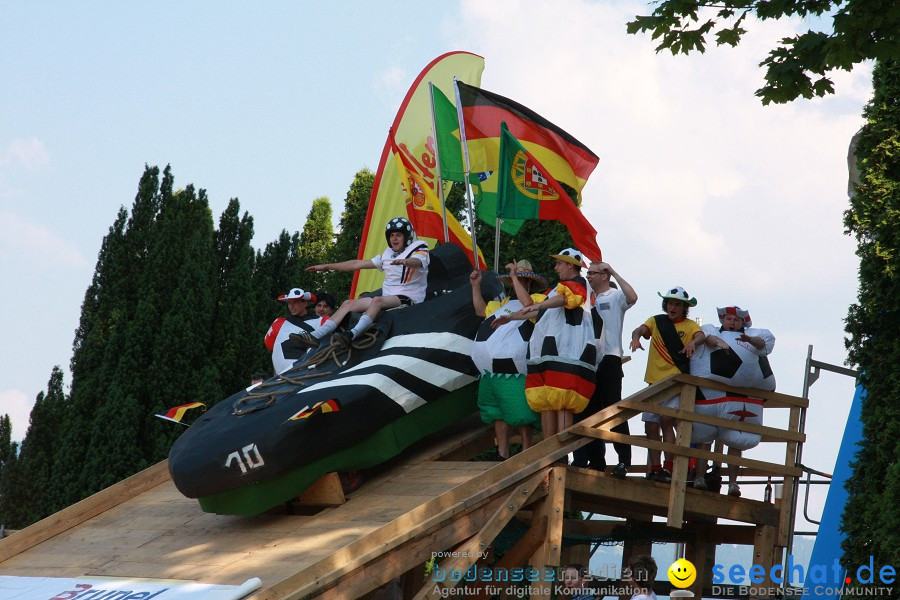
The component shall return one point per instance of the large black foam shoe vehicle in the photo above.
(410, 376)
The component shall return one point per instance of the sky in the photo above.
(279, 103)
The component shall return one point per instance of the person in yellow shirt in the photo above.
(673, 339)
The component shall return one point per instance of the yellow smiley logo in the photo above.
(682, 573)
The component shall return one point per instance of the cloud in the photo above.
(20, 237)
(391, 85)
(18, 406)
(30, 154)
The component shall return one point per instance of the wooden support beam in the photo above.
(683, 429)
(641, 495)
(387, 566)
(764, 467)
(773, 399)
(548, 554)
(469, 551)
(696, 552)
(514, 557)
(771, 433)
(765, 555)
(326, 491)
(786, 506)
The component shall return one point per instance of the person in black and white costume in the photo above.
(277, 340)
(405, 267)
(736, 354)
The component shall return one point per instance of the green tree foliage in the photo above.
(13, 493)
(234, 343)
(872, 515)
(48, 420)
(353, 219)
(315, 241)
(801, 64)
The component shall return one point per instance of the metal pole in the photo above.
(497, 244)
(465, 148)
(437, 159)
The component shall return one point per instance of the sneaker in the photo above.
(620, 471)
(343, 338)
(700, 483)
(652, 473)
(304, 339)
(664, 476)
(734, 490)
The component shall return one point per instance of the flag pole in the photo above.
(465, 147)
(437, 159)
(497, 244)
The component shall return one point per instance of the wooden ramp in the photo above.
(432, 500)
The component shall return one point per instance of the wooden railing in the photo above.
(599, 426)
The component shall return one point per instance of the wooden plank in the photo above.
(639, 494)
(653, 393)
(445, 507)
(774, 399)
(773, 433)
(514, 557)
(82, 511)
(393, 564)
(764, 554)
(786, 521)
(764, 467)
(677, 488)
(478, 543)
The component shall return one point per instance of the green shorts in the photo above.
(502, 397)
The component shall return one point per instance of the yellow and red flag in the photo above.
(413, 134)
(425, 210)
(176, 413)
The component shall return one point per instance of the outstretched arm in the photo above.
(642, 331)
(698, 339)
(347, 265)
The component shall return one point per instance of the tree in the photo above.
(13, 498)
(315, 241)
(871, 516)
(800, 65)
(234, 340)
(47, 421)
(353, 219)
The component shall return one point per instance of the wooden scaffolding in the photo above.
(434, 501)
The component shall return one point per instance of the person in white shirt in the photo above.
(608, 303)
(642, 575)
(405, 267)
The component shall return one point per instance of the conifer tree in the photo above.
(47, 421)
(315, 241)
(872, 515)
(234, 340)
(353, 219)
(12, 495)
(108, 304)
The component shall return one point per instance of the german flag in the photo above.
(322, 407)
(566, 159)
(176, 413)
